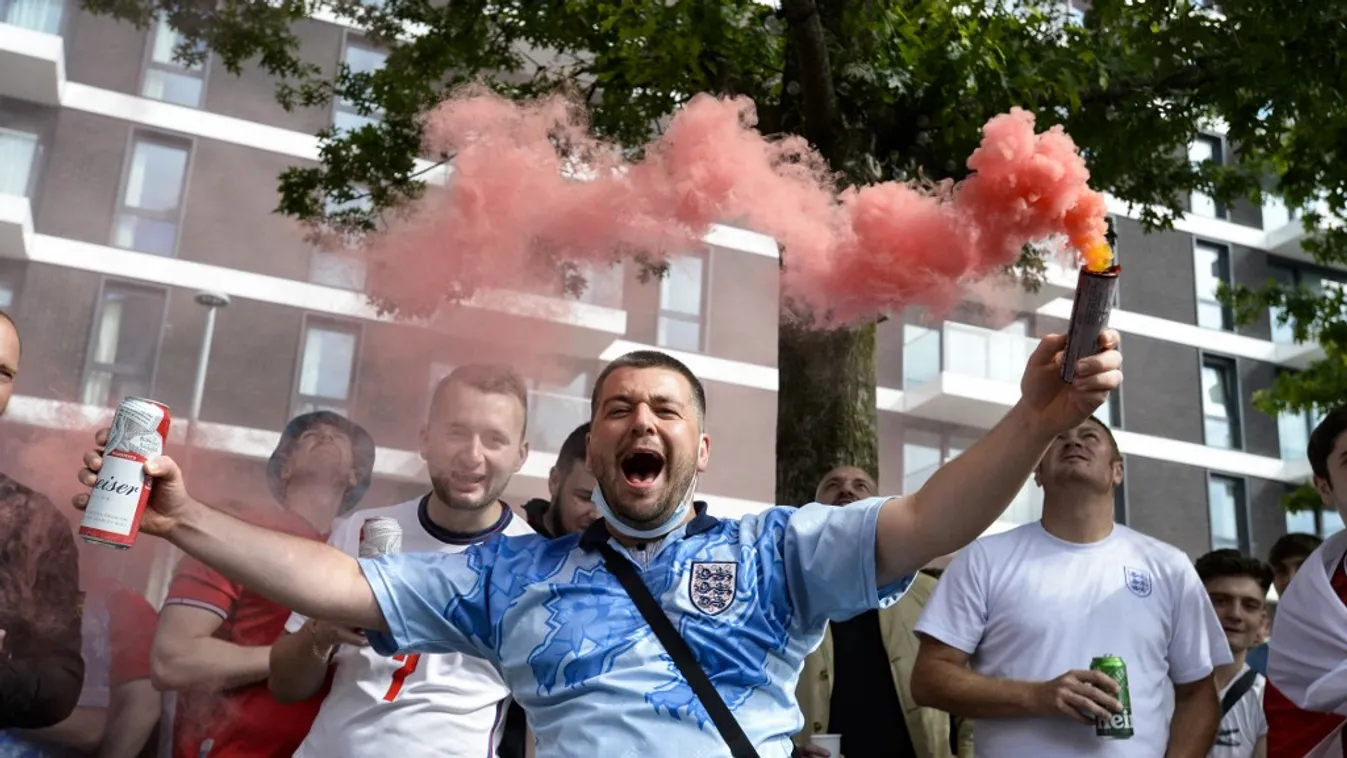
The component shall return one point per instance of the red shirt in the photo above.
(1291, 731)
(245, 722)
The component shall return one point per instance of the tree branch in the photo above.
(822, 117)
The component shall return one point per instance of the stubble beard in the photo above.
(678, 478)
(444, 492)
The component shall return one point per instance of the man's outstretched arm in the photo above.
(315, 579)
(966, 495)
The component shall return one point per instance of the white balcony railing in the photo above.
(1025, 508)
(552, 418)
(963, 350)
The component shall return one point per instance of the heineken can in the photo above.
(380, 536)
(1119, 725)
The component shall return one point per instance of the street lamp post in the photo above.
(168, 555)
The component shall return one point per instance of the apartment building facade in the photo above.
(129, 184)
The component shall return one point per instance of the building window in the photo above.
(1207, 149)
(167, 79)
(151, 202)
(11, 283)
(359, 58)
(343, 266)
(680, 304)
(18, 160)
(921, 355)
(1110, 413)
(124, 344)
(39, 15)
(1228, 512)
(326, 377)
(1211, 265)
(1323, 522)
(1220, 403)
(604, 284)
(924, 452)
(555, 410)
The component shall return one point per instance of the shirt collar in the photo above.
(597, 533)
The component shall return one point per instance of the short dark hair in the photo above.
(491, 378)
(640, 359)
(1112, 441)
(1293, 545)
(573, 449)
(1229, 562)
(1322, 439)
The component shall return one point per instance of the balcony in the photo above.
(1025, 508)
(1284, 232)
(1059, 281)
(16, 227)
(552, 418)
(32, 62)
(961, 374)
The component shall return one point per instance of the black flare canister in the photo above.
(1089, 316)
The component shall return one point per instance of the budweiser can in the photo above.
(117, 502)
(380, 536)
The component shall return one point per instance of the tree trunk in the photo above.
(826, 414)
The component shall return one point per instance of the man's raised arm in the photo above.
(312, 578)
(966, 495)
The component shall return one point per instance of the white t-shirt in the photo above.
(420, 706)
(1025, 605)
(1243, 724)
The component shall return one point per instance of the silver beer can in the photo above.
(380, 536)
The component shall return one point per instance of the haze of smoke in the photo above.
(514, 208)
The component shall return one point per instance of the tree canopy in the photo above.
(886, 89)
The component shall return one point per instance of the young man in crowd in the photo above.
(1306, 698)
(214, 637)
(1011, 630)
(420, 706)
(1285, 557)
(41, 671)
(858, 682)
(571, 487)
(1238, 585)
(752, 596)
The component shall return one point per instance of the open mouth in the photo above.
(466, 481)
(642, 467)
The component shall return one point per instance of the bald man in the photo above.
(859, 677)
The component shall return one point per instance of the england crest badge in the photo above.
(1138, 581)
(711, 586)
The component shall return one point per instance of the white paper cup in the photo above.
(830, 742)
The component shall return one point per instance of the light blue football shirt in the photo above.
(752, 598)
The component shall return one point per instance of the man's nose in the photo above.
(643, 420)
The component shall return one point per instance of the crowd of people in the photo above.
(620, 618)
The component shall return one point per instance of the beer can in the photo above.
(1119, 725)
(380, 536)
(117, 501)
(1089, 316)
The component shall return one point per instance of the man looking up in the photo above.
(214, 636)
(858, 682)
(752, 596)
(1306, 698)
(1237, 586)
(41, 671)
(420, 706)
(1016, 619)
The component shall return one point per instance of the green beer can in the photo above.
(1118, 726)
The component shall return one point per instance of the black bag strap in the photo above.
(677, 648)
(1237, 691)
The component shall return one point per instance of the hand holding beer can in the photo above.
(380, 536)
(1119, 725)
(119, 497)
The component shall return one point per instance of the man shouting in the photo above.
(751, 597)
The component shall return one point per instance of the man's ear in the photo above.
(553, 482)
(1325, 489)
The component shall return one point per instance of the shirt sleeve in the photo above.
(132, 621)
(1198, 644)
(829, 557)
(956, 614)
(436, 602)
(196, 585)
